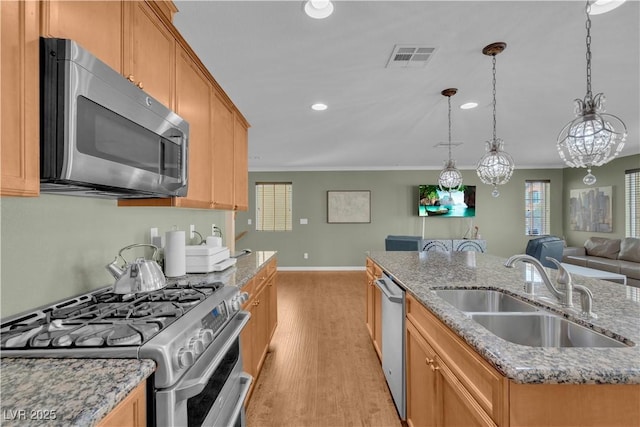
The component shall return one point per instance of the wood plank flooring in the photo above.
(321, 369)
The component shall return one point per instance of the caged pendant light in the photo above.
(450, 178)
(591, 138)
(496, 166)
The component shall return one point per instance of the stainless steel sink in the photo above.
(484, 300)
(543, 330)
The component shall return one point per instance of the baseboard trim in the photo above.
(354, 268)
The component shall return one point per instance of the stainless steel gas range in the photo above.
(190, 330)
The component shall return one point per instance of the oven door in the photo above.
(213, 390)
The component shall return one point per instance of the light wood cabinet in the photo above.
(131, 412)
(19, 110)
(149, 52)
(421, 380)
(468, 391)
(223, 129)
(263, 306)
(240, 163)
(374, 306)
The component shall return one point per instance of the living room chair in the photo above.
(547, 246)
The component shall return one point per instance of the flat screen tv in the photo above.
(455, 204)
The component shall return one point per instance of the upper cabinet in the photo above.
(137, 39)
(19, 117)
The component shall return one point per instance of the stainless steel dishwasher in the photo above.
(393, 360)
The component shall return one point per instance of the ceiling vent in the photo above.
(410, 56)
(446, 144)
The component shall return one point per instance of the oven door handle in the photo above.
(245, 380)
(195, 386)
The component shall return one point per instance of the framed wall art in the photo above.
(348, 207)
(591, 209)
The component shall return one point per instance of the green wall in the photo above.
(611, 174)
(53, 247)
(394, 197)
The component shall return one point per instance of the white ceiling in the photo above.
(274, 62)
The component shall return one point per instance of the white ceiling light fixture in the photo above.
(591, 138)
(603, 6)
(468, 105)
(318, 9)
(450, 178)
(496, 166)
(319, 106)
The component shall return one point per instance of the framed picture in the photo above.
(591, 209)
(348, 207)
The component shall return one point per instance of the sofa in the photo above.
(620, 256)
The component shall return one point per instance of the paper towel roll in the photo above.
(175, 258)
(214, 241)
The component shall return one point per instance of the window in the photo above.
(632, 195)
(273, 206)
(536, 207)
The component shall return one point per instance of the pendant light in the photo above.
(591, 138)
(496, 166)
(450, 178)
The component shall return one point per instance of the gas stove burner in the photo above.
(124, 335)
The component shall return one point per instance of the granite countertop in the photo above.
(238, 275)
(69, 392)
(617, 307)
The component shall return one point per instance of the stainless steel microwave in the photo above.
(102, 136)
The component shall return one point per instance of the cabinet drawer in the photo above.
(487, 386)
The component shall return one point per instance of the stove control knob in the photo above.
(235, 304)
(244, 296)
(196, 345)
(185, 358)
(206, 336)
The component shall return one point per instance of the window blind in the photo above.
(273, 206)
(537, 207)
(632, 196)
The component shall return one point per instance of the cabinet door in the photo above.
(95, 25)
(241, 164)
(132, 411)
(222, 153)
(422, 401)
(149, 52)
(377, 320)
(19, 110)
(457, 407)
(272, 288)
(370, 303)
(193, 93)
(246, 342)
(261, 342)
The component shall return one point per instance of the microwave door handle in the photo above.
(185, 158)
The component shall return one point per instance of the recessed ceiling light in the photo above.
(603, 6)
(319, 106)
(469, 105)
(318, 9)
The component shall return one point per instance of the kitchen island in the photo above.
(515, 384)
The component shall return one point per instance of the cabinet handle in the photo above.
(434, 367)
(131, 78)
(140, 85)
(429, 361)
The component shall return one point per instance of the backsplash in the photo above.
(53, 247)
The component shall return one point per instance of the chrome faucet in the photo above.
(565, 295)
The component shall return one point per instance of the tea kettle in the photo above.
(142, 275)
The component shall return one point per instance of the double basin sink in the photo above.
(520, 322)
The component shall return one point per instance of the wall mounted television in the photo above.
(455, 204)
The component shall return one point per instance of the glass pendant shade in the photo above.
(450, 177)
(592, 138)
(496, 166)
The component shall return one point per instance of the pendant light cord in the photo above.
(588, 40)
(494, 98)
(449, 100)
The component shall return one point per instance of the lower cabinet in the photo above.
(131, 412)
(374, 306)
(257, 334)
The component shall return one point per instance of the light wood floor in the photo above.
(322, 369)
